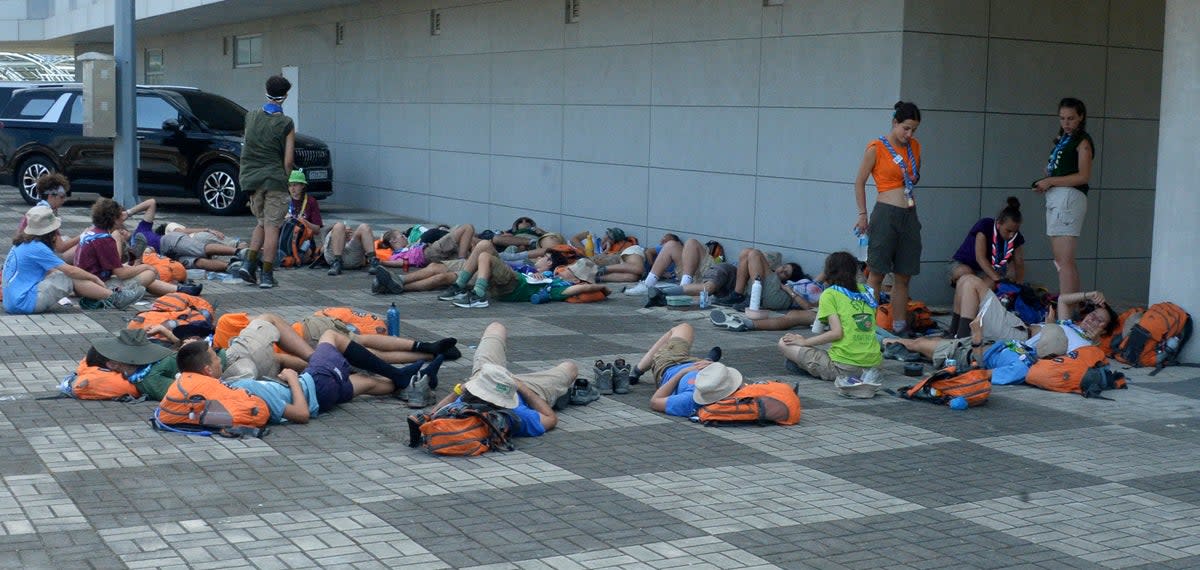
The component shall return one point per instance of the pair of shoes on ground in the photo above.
(420, 392)
(121, 299)
(736, 322)
(249, 272)
(385, 283)
(612, 378)
(465, 298)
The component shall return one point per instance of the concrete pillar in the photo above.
(82, 48)
(1175, 260)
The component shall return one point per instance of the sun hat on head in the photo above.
(40, 220)
(493, 384)
(584, 269)
(131, 346)
(298, 177)
(714, 382)
(1052, 341)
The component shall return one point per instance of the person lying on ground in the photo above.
(684, 382)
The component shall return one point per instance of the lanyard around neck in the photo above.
(1001, 250)
(868, 297)
(909, 180)
(1056, 154)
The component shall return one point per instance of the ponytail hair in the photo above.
(1011, 211)
(905, 110)
(1079, 107)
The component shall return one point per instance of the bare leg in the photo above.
(484, 246)
(291, 362)
(923, 346)
(270, 243)
(672, 252)
(875, 282)
(900, 298)
(257, 239)
(211, 264)
(683, 331)
(757, 262)
(91, 290)
(212, 249)
(968, 296)
(465, 235)
(958, 272)
(510, 240)
(627, 271)
(289, 341)
(743, 272)
(337, 239)
(393, 350)
(372, 385)
(693, 252)
(366, 237)
(792, 319)
(1063, 248)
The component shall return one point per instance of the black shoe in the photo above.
(384, 284)
(335, 268)
(190, 288)
(655, 298)
(729, 300)
(714, 354)
(453, 293)
(266, 280)
(373, 266)
(249, 273)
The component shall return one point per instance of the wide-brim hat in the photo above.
(584, 269)
(131, 346)
(495, 385)
(714, 382)
(557, 235)
(298, 177)
(1051, 342)
(41, 220)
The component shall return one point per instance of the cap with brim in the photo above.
(1052, 341)
(40, 220)
(584, 269)
(131, 346)
(714, 382)
(298, 177)
(495, 385)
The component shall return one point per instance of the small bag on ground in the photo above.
(974, 385)
(758, 403)
(465, 430)
(1083, 371)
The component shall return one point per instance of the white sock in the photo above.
(685, 280)
(651, 279)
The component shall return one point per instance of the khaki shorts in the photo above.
(504, 278)
(353, 254)
(817, 363)
(1000, 323)
(53, 287)
(251, 353)
(895, 240)
(1065, 209)
(315, 326)
(957, 348)
(676, 351)
(270, 206)
(445, 248)
(549, 384)
(774, 298)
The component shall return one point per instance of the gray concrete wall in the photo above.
(720, 119)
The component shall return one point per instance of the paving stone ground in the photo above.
(1032, 480)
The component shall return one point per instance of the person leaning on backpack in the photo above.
(267, 160)
(684, 382)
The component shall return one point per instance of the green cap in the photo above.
(298, 177)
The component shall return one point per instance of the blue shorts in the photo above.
(331, 376)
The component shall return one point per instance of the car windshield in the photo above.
(217, 113)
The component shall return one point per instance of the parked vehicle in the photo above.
(190, 144)
(8, 87)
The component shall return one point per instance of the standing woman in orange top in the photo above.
(894, 232)
(1066, 184)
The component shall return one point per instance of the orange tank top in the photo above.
(886, 172)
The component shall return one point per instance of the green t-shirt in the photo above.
(858, 345)
(162, 374)
(262, 151)
(525, 290)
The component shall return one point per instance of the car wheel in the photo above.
(218, 190)
(30, 171)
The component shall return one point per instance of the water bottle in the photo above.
(541, 297)
(818, 327)
(393, 320)
(589, 245)
(704, 299)
(958, 403)
(756, 295)
(862, 245)
(950, 363)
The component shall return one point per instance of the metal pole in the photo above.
(125, 146)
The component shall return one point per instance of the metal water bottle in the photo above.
(393, 320)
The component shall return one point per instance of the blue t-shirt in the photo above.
(1009, 362)
(682, 403)
(529, 422)
(278, 396)
(25, 267)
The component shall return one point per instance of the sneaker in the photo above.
(419, 394)
(637, 290)
(738, 323)
(792, 367)
(472, 301)
(120, 300)
(729, 300)
(373, 266)
(453, 293)
(620, 376)
(603, 377)
(583, 393)
(386, 284)
(249, 273)
(137, 247)
(335, 268)
(719, 318)
(266, 280)
(714, 354)
(190, 288)
(235, 265)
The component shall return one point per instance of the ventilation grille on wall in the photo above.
(573, 11)
(339, 33)
(435, 23)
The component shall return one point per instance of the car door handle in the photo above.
(141, 137)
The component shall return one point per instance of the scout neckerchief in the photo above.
(272, 108)
(1001, 250)
(909, 181)
(1071, 325)
(1056, 154)
(868, 297)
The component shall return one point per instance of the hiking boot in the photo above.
(266, 280)
(561, 402)
(125, 298)
(603, 377)
(385, 284)
(637, 290)
(190, 288)
(335, 268)
(419, 393)
(655, 298)
(472, 301)
(249, 273)
(729, 300)
(719, 318)
(453, 293)
(137, 247)
(620, 376)
(373, 266)
(583, 392)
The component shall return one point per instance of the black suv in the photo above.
(190, 141)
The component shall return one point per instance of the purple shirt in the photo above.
(152, 239)
(966, 252)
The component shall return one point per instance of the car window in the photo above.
(33, 106)
(152, 111)
(218, 113)
(75, 117)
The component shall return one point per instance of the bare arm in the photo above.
(65, 244)
(981, 257)
(577, 239)
(297, 411)
(834, 334)
(149, 206)
(130, 271)
(658, 401)
(549, 418)
(860, 189)
(289, 151)
(78, 273)
(1066, 301)
(1018, 265)
(1079, 178)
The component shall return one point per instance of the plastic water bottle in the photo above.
(958, 403)
(541, 297)
(862, 244)
(704, 304)
(393, 320)
(818, 327)
(589, 245)
(950, 363)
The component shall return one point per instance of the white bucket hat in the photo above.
(495, 385)
(714, 382)
(40, 220)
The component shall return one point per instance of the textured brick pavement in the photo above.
(1032, 480)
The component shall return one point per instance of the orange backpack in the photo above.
(168, 269)
(199, 400)
(759, 403)
(95, 383)
(1109, 343)
(382, 252)
(1083, 371)
(975, 385)
(229, 326)
(920, 318)
(619, 246)
(1155, 337)
(360, 322)
(179, 301)
(172, 319)
(589, 297)
(462, 430)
